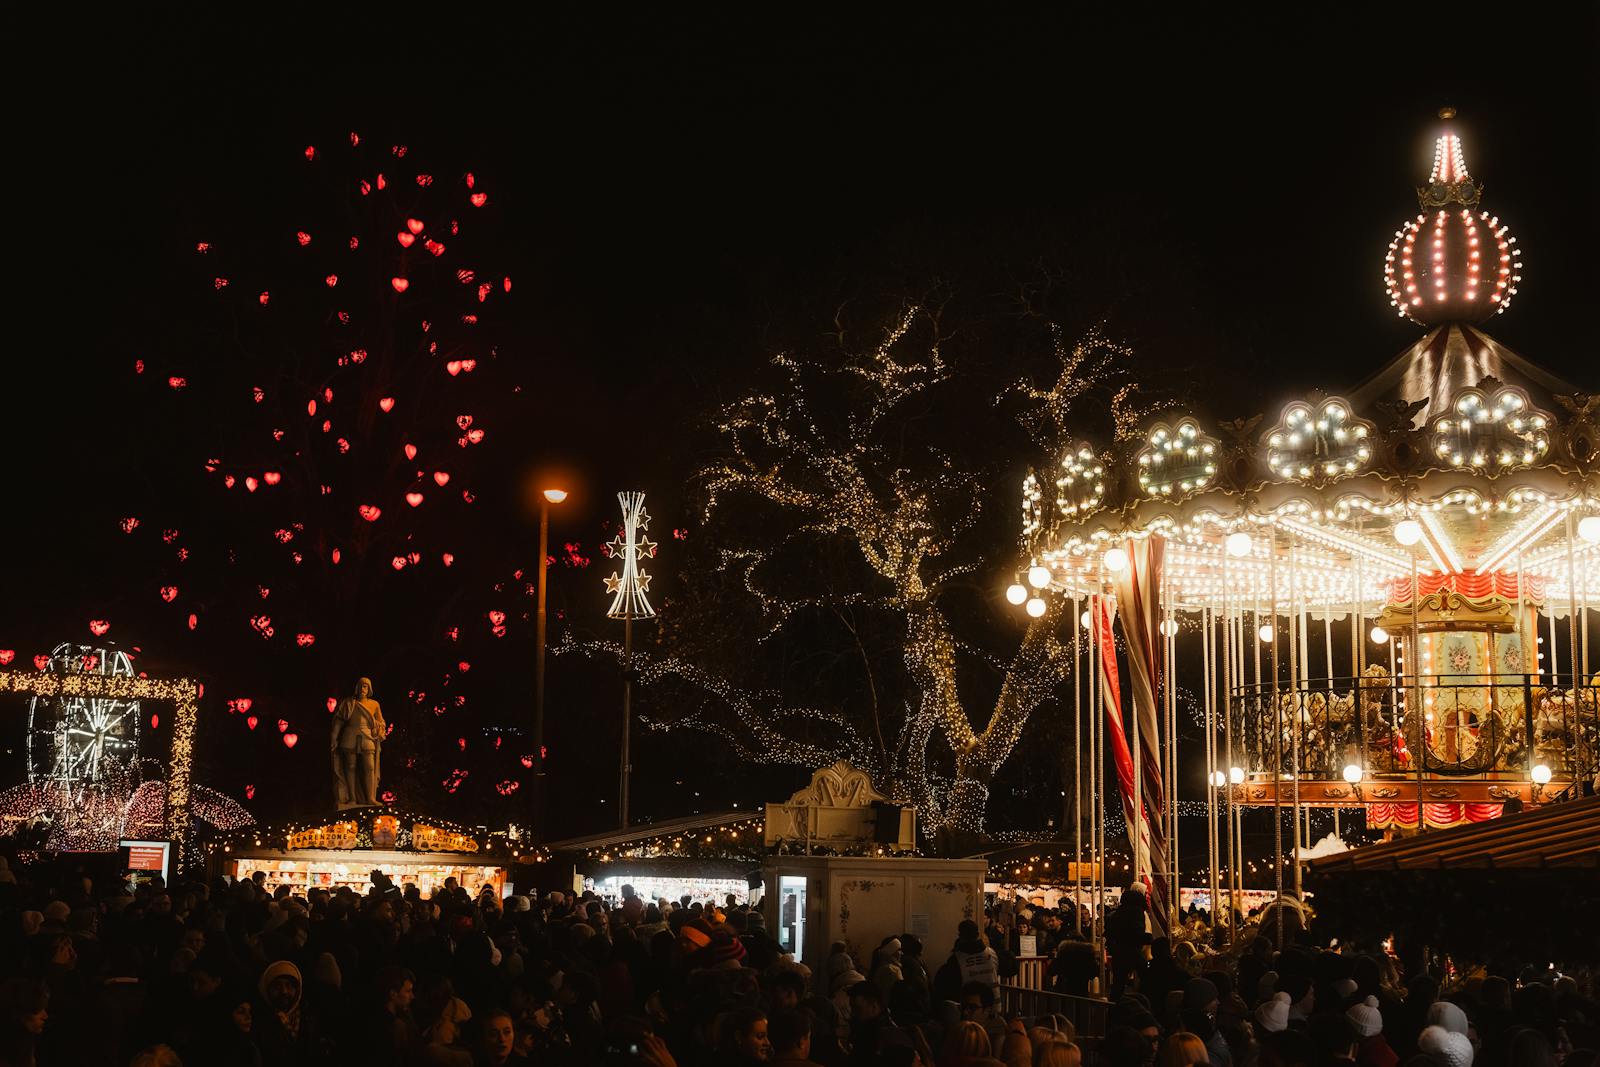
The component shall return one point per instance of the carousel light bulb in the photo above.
(1169, 627)
(1351, 773)
(1265, 633)
(1116, 560)
(1218, 779)
(1038, 576)
(1408, 532)
(1235, 775)
(1379, 635)
(1589, 529)
(1541, 774)
(1016, 593)
(1238, 544)
(1036, 607)
(1083, 620)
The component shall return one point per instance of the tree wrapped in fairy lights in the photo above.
(317, 399)
(846, 512)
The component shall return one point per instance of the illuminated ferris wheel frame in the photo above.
(79, 740)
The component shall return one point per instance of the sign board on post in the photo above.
(1027, 944)
(147, 859)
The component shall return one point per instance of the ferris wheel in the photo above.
(78, 743)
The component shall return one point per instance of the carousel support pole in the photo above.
(1207, 639)
(1416, 687)
(1077, 768)
(1226, 651)
(1578, 656)
(1297, 658)
(1358, 644)
(1277, 732)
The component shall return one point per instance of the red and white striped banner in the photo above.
(1144, 834)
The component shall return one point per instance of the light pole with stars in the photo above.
(629, 602)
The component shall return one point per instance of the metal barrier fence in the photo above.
(1447, 725)
(1025, 995)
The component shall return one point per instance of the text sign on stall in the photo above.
(146, 859)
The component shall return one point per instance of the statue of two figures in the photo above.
(355, 742)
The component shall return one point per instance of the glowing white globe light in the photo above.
(1352, 773)
(1379, 635)
(1116, 560)
(1016, 593)
(1541, 774)
(1589, 529)
(1036, 607)
(1235, 775)
(1169, 627)
(1218, 779)
(1083, 620)
(1038, 576)
(1265, 633)
(1238, 544)
(1408, 532)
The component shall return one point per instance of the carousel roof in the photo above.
(1555, 835)
(1458, 451)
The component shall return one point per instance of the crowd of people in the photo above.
(227, 973)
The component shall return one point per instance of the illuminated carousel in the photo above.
(1381, 596)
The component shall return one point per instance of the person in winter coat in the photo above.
(1126, 938)
(971, 960)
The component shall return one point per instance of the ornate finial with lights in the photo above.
(629, 588)
(1452, 262)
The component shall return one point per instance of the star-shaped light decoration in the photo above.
(628, 588)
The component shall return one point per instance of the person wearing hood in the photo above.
(1198, 1012)
(1126, 938)
(971, 960)
(288, 1032)
(886, 970)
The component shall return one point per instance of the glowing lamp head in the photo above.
(1116, 560)
(1236, 775)
(1541, 774)
(1218, 779)
(1238, 544)
(1083, 620)
(1379, 635)
(1408, 532)
(1265, 633)
(1036, 607)
(555, 496)
(1016, 593)
(1589, 529)
(1351, 773)
(1038, 576)
(1169, 627)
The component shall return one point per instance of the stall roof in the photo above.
(1556, 835)
(614, 839)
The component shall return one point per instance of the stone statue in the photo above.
(355, 742)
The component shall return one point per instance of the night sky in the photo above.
(672, 195)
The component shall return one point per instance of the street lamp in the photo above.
(547, 497)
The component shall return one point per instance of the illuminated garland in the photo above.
(413, 831)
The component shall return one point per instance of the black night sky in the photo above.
(671, 195)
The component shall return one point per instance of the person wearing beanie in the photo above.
(1445, 1014)
(1273, 1015)
(1266, 986)
(1302, 997)
(1344, 989)
(1445, 1048)
(1373, 1048)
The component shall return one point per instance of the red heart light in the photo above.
(7, 655)
(406, 239)
(305, 640)
(411, 451)
(169, 593)
(479, 199)
(414, 499)
(194, 620)
(370, 512)
(98, 627)
(475, 435)
(468, 365)
(398, 563)
(249, 792)
(242, 704)
(507, 284)
(527, 761)
(291, 739)
(434, 247)
(331, 280)
(453, 367)
(250, 483)
(272, 477)
(333, 702)
(463, 421)
(387, 403)
(400, 284)
(283, 726)
(334, 556)
(497, 617)
(42, 662)
(303, 237)
(449, 558)
(484, 290)
(227, 481)
(251, 721)
(414, 225)
(441, 477)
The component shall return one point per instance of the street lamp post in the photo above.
(548, 497)
(628, 603)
